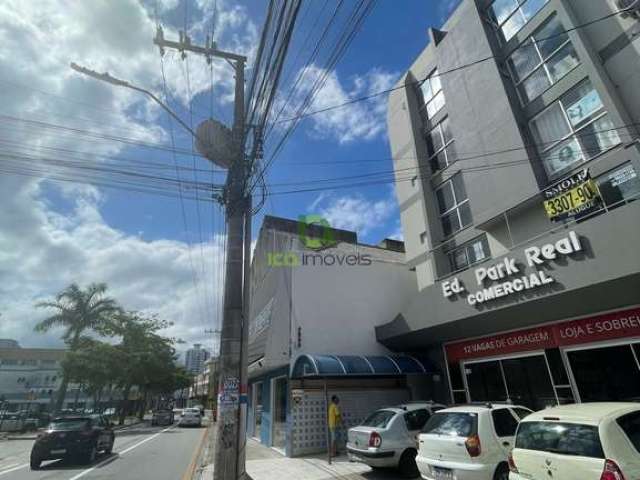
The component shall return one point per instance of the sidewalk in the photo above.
(264, 463)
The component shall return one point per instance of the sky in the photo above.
(160, 254)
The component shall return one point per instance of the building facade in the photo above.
(311, 334)
(514, 138)
(195, 359)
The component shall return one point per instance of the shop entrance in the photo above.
(522, 380)
(279, 412)
(609, 373)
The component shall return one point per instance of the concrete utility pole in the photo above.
(230, 439)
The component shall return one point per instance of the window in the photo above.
(504, 423)
(379, 419)
(630, 424)
(440, 146)
(573, 130)
(9, 361)
(562, 438)
(620, 186)
(416, 419)
(455, 213)
(466, 255)
(511, 15)
(542, 60)
(458, 424)
(432, 94)
(522, 412)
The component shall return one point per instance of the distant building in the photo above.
(8, 343)
(195, 358)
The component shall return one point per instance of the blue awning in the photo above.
(360, 365)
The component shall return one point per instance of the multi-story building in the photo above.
(514, 137)
(195, 359)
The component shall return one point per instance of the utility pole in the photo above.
(230, 439)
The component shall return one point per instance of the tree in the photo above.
(78, 311)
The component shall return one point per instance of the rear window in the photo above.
(69, 424)
(459, 424)
(630, 424)
(379, 419)
(563, 438)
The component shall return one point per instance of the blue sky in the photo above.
(53, 233)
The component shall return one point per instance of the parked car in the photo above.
(469, 442)
(162, 417)
(11, 422)
(190, 417)
(388, 437)
(73, 437)
(599, 441)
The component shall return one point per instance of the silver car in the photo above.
(389, 437)
(190, 418)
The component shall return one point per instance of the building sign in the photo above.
(574, 196)
(508, 277)
(608, 326)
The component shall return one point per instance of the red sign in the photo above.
(585, 330)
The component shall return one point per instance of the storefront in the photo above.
(588, 359)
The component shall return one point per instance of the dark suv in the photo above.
(78, 437)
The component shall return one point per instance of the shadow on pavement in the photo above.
(70, 464)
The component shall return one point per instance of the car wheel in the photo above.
(407, 464)
(35, 463)
(502, 472)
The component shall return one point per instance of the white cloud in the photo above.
(363, 120)
(45, 246)
(353, 212)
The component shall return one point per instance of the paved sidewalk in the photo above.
(264, 463)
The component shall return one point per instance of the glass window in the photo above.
(620, 186)
(460, 424)
(432, 94)
(416, 419)
(522, 412)
(466, 255)
(456, 376)
(573, 130)
(542, 60)
(453, 205)
(440, 146)
(630, 424)
(504, 423)
(511, 15)
(379, 419)
(562, 438)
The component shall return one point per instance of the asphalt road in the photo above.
(141, 452)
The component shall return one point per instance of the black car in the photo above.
(162, 417)
(77, 437)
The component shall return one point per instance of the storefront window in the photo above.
(485, 382)
(528, 382)
(620, 186)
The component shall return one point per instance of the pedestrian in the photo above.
(335, 424)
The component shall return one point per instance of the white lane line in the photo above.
(4, 472)
(111, 459)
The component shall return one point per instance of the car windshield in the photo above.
(69, 424)
(379, 419)
(460, 424)
(563, 438)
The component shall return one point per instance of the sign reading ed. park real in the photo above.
(509, 276)
(572, 197)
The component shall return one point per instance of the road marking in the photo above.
(111, 459)
(14, 469)
(192, 465)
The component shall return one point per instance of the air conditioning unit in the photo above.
(631, 8)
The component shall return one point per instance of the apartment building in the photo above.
(514, 138)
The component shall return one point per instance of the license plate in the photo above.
(58, 451)
(442, 474)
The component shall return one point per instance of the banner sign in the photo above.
(575, 196)
(609, 326)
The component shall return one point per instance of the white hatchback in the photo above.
(469, 442)
(588, 441)
(190, 417)
(388, 437)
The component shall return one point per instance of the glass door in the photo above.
(279, 412)
(257, 409)
(607, 373)
(485, 381)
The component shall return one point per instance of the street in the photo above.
(140, 452)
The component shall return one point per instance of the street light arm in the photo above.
(105, 77)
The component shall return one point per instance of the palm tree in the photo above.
(77, 311)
